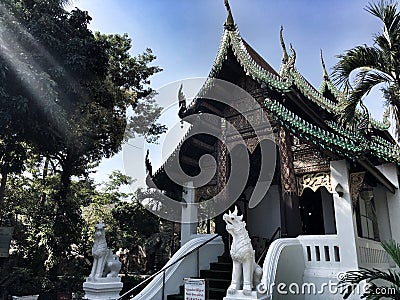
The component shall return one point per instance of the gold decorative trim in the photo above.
(314, 182)
(251, 144)
(356, 183)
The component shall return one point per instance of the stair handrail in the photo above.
(268, 243)
(167, 267)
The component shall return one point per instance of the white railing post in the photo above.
(189, 214)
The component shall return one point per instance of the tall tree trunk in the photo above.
(64, 223)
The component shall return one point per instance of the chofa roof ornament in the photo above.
(326, 76)
(288, 62)
(229, 23)
(285, 57)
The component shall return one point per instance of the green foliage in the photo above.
(364, 67)
(65, 93)
(376, 279)
(71, 87)
(36, 247)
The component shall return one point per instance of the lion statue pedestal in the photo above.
(246, 274)
(103, 282)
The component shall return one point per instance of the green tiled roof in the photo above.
(282, 84)
(345, 142)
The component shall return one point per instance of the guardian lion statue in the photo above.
(246, 274)
(105, 263)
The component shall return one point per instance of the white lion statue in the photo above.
(105, 263)
(246, 274)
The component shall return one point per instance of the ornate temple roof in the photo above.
(372, 140)
(340, 140)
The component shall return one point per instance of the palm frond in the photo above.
(366, 80)
(359, 57)
(347, 113)
(353, 278)
(387, 12)
(389, 40)
(393, 249)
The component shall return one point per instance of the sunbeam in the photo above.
(37, 82)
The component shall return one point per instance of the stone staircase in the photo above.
(218, 278)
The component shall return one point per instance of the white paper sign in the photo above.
(195, 289)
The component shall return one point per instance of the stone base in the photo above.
(240, 296)
(102, 288)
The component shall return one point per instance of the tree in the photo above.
(71, 87)
(364, 67)
(390, 279)
(12, 158)
(129, 226)
(65, 93)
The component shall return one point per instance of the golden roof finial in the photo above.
(285, 57)
(326, 76)
(229, 23)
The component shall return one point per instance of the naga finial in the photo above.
(326, 76)
(293, 56)
(285, 57)
(364, 124)
(229, 23)
(386, 116)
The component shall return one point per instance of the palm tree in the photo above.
(373, 65)
(391, 289)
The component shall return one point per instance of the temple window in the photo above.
(367, 225)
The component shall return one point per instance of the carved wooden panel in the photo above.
(288, 178)
(307, 159)
(314, 182)
(222, 160)
(242, 122)
(206, 192)
(356, 183)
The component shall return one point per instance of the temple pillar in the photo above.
(393, 200)
(189, 213)
(290, 215)
(290, 211)
(345, 219)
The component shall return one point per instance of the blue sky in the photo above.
(185, 35)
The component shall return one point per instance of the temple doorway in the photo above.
(311, 212)
(317, 212)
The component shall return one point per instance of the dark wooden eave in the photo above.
(377, 174)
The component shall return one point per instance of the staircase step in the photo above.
(213, 274)
(221, 266)
(217, 293)
(219, 283)
(218, 280)
(175, 297)
(224, 259)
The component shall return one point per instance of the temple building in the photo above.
(332, 197)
